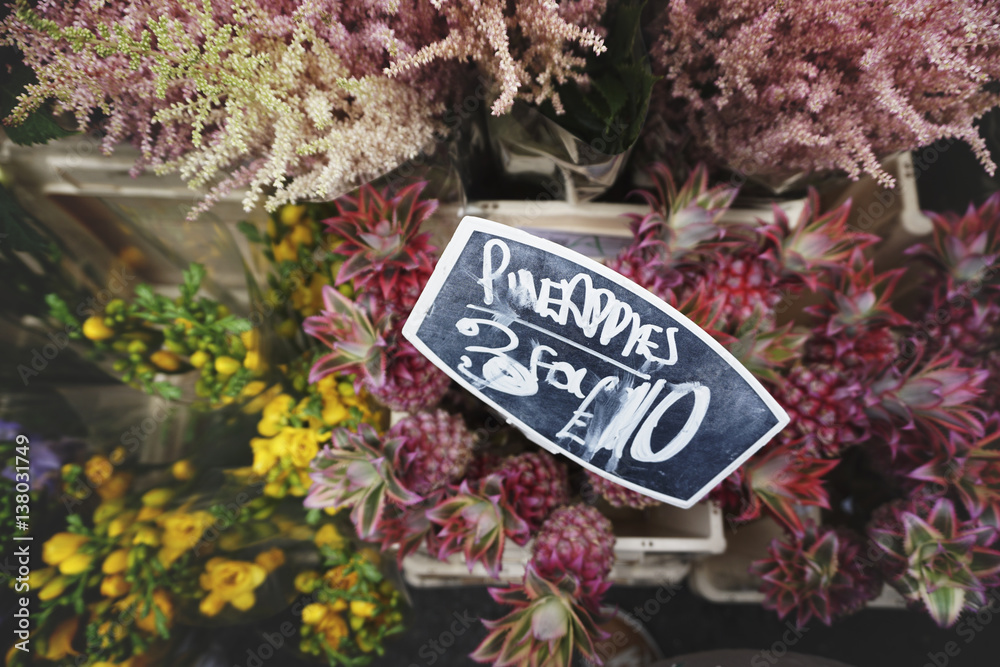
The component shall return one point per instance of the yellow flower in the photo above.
(291, 214)
(113, 633)
(365, 643)
(301, 235)
(340, 604)
(108, 509)
(253, 362)
(61, 640)
(306, 582)
(165, 360)
(333, 629)
(334, 410)
(53, 589)
(339, 578)
(260, 398)
(114, 586)
(276, 488)
(121, 523)
(62, 546)
(314, 613)
(328, 535)
(230, 581)
(184, 322)
(253, 388)
(95, 329)
(200, 358)
(157, 497)
(264, 457)
(117, 561)
(148, 536)
(285, 251)
(274, 412)
(370, 555)
(226, 365)
(183, 470)
(362, 608)
(115, 487)
(181, 532)
(98, 469)
(166, 606)
(308, 298)
(271, 559)
(149, 513)
(40, 577)
(301, 445)
(76, 564)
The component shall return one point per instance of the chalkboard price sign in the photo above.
(590, 365)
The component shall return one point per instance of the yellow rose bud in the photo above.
(148, 536)
(271, 559)
(365, 644)
(301, 235)
(362, 608)
(328, 535)
(253, 388)
(339, 604)
(40, 577)
(114, 586)
(252, 362)
(163, 601)
(183, 470)
(284, 251)
(108, 510)
(149, 513)
(356, 622)
(157, 497)
(62, 546)
(95, 329)
(275, 489)
(226, 365)
(370, 555)
(164, 360)
(53, 589)
(199, 358)
(306, 582)
(117, 561)
(116, 486)
(98, 469)
(314, 613)
(76, 564)
(250, 339)
(291, 214)
(121, 523)
(61, 640)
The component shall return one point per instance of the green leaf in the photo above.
(38, 127)
(250, 231)
(944, 604)
(16, 232)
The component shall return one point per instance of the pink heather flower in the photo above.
(774, 88)
(292, 100)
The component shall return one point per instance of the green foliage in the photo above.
(614, 108)
(38, 127)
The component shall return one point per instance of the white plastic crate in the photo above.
(725, 578)
(652, 547)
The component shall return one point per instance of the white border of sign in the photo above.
(444, 268)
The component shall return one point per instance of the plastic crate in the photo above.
(655, 546)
